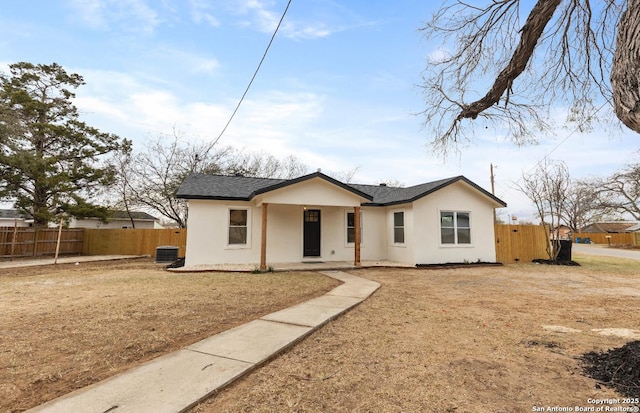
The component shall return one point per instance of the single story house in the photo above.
(117, 219)
(612, 227)
(243, 220)
(13, 217)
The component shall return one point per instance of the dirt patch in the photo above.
(459, 340)
(618, 368)
(69, 326)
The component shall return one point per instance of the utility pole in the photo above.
(493, 192)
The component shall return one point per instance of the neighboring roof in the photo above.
(610, 227)
(10, 214)
(240, 188)
(138, 216)
(634, 228)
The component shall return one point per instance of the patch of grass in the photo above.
(608, 264)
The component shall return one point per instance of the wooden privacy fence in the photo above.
(601, 238)
(30, 242)
(132, 241)
(520, 243)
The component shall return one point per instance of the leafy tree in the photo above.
(565, 52)
(49, 159)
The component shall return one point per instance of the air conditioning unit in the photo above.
(166, 253)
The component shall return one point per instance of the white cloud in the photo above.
(129, 15)
(200, 13)
(260, 17)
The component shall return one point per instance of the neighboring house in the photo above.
(241, 220)
(634, 228)
(12, 218)
(563, 231)
(610, 227)
(117, 219)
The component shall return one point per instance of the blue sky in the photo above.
(338, 88)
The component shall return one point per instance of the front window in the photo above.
(237, 226)
(398, 227)
(455, 227)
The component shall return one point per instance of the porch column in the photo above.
(356, 224)
(263, 239)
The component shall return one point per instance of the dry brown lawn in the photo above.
(458, 340)
(65, 327)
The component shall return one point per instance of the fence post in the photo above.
(35, 240)
(55, 260)
(13, 240)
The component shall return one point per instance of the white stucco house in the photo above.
(242, 220)
(117, 220)
(13, 217)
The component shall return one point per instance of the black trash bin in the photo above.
(166, 253)
(565, 250)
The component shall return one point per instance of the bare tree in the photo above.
(562, 54)
(547, 188)
(262, 165)
(584, 204)
(150, 178)
(621, 191)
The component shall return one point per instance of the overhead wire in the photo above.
(515, 183)
(255, 73)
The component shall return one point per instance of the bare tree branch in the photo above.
(561, 55)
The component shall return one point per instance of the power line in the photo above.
(577, 128)
(254, 74)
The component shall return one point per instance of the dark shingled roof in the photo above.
(134, 214)
(240, 188)
(10, 214)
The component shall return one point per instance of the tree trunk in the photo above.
(625, 75)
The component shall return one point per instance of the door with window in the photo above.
(311, 229)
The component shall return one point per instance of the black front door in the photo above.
(311, 247)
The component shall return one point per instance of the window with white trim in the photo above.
(398, 227)
(455, 227)
(351, 227)
(238, 219)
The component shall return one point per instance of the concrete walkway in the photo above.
(177, 381)
(64, 260)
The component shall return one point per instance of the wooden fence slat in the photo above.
(601, 238)
(519, 243)
(514, 243)
(129, 241)
(21, 242)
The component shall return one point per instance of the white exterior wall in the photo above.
(374, 234)
(284, 233)
(94, 223)
(207, 234)
(207, 237)
(312, 192)
(455, 197)
(403, 252)
(10, 222)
